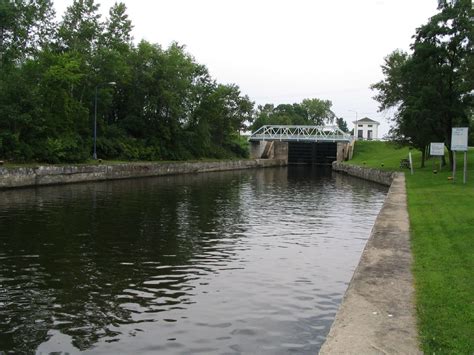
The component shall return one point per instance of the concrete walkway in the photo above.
(377, 314)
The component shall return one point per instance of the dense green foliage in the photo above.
(432, 89)
(161, 103)
(153, 103)
(342, 124)
(442, 226)
(308, 112)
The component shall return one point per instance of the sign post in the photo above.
(459, 143)
(437, 149)
(465, 168)
(411, 162)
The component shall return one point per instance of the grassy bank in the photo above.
(381, 155)
(442, 237)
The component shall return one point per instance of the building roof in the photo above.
(366, 120)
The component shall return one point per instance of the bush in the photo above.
(67, 149)
(238, 147)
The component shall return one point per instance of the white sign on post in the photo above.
(437, 149)
(459, 139)
(459, 143)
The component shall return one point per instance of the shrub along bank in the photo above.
(442, 232)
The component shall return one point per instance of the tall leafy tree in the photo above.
(26, 26)
(431, 90)
(21, 119)
(112, 61)
(308, 112)
(164, 105)
(225, 111)
(118, 28)
(342, 124)
(319, 111)
(80, 29)
(404, 89)
(25, 31)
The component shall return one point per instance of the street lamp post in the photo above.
(355, 127)
(112, 83)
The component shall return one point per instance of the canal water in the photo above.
(253, 261)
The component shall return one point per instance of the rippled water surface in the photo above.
(236, 262)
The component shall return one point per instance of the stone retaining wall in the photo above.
(51, 175)
(375, 175)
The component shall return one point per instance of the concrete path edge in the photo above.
(377, 313)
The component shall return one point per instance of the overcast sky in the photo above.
(282, 51)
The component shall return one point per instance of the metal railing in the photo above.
(285, 133)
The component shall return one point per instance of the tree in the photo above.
(113, 62)
(390, 89)
(404, 88)
(225, 111)
(342, 124)
(118, 28)
(308, 112)
(80, 29)
(318, 111)
(21, 122)
(448, 37)
(25, 28)
(164, 105)
(290, 114)
(432, 89)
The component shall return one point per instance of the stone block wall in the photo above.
(375, 175)
(51, 175)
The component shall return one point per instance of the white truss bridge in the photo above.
(330, 133)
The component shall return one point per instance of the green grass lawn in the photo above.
(442, 238)
(382, 155)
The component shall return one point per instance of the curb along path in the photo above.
(377, 314)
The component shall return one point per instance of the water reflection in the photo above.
(248, 261)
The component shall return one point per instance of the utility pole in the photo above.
(355, 126)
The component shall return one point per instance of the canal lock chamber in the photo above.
(312, 153)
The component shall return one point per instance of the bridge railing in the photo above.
(328, 133)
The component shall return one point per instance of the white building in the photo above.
(366, 128)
